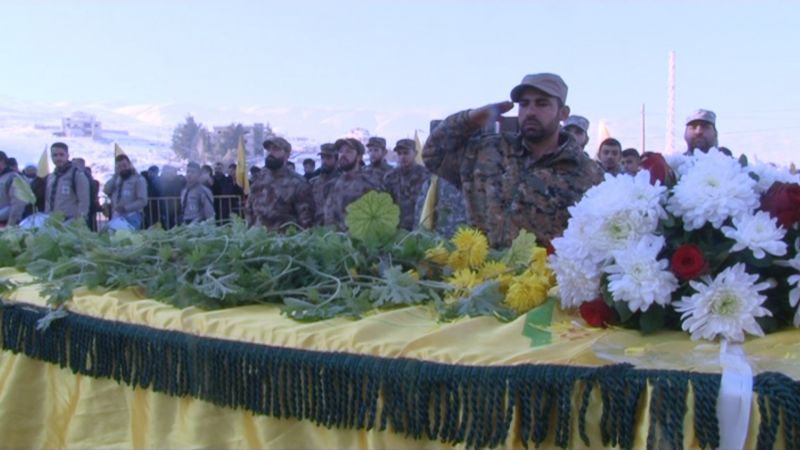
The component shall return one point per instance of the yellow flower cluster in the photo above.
(470, 268)
(472, 247)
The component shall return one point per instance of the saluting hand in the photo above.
(485, 115)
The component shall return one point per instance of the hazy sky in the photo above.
(739, 59)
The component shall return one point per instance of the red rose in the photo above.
(782, 201)
(688, 262)
(597, 313)
(658, 168)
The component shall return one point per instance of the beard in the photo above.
(534, 131)
(347, 167)
(273, 163)
(125, 174)
(700, 143)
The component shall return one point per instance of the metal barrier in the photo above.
(166, 211)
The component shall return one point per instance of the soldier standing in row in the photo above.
(350, 185)
(405, 182)
(321, 184)
(513, 182)
(279, 196)
(376, 147)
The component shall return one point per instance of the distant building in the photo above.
(81, 124)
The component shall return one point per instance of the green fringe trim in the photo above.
(450, 403)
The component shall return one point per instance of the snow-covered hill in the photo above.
(150, 129)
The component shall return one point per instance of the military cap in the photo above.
(277, 142)
(577, 121)
(327, 149)
(703, 115)
(376, 142)
(351, 142)
(549, 83)
(406, 144)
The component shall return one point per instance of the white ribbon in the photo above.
(735, 396)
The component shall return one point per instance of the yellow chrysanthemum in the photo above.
(492, 269)
(458, 260)
(505, 281)
(413, 274)
(526, 292)
(473, 244)
(464, 279)
(437, 255)
(538, 259)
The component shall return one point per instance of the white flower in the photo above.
(576, 285)
(769, 174)
(680, 163)
(638, 278)
(760, 233)
(717, 187)
(725, 306)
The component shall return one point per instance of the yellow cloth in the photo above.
(42, 405)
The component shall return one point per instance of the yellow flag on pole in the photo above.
(418, 145)
(427, 218)
(44, 164)
(117, 150)
(241, 168)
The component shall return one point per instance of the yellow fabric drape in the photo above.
(42, 405)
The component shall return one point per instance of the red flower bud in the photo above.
(597, 313)
(688, 262)
(658, 168)
(782, 201)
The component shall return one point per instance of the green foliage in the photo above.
(22, 190)
(187, 137)
(373, 218)
(484, 300)
(519, 254)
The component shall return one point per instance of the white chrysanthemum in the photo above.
(576, 285)
(769, 174)
(638, 278)
(760, 233)
(717, 187)
(680, 163)
(725, 307)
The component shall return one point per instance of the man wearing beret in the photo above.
(352, 183)
(321, 183)
(378, 166)
(578, 127)
(405, 181)
(520, 181)
(279, 196)
(701, 132)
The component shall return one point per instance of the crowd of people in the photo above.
(499, 182)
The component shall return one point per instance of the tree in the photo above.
(228, 140)
(185, 138)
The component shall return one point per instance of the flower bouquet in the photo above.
(713, 251)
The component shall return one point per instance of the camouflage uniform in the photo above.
(504, 188)
(347, 188)
(404, 184)
(449, 212)
(380, 170)
(320, 189)
(279, 198)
